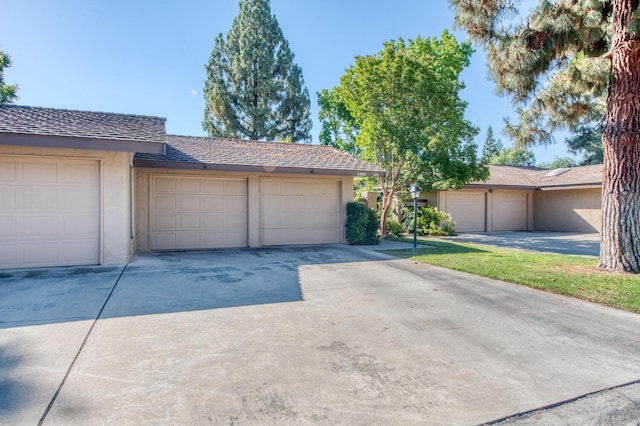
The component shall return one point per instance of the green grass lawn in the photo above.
(574, 276)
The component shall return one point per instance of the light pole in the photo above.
(415, 194)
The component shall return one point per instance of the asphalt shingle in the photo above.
(537, 178)
(230, 152)
(80, 124)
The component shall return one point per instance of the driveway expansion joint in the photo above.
(82, 345)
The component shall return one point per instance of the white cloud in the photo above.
(194, 92)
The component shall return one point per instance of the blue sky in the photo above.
(148, 58)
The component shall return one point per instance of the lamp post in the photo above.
(415, 194)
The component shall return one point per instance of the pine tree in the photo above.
(254, 90)
(558, 65)
(587, 141)
(7, 92)
(491, 146)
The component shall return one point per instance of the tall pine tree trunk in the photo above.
(620, 240)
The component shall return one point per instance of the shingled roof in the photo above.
(528, 178)
(187, 152)
(25, 125)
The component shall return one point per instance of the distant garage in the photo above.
(488, 210)
(509, 210)
(468, 209)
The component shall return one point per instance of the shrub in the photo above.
(362, 225)
(394, 227)
(431, 221)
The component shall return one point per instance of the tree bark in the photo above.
(620, 238)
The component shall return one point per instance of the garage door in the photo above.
(49, 212)
(301, 212)
(509, 211)
(197, 213)
(467, 210)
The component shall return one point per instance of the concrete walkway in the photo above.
(310, 335)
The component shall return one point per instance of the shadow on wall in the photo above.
(576, 210)
(162, 283)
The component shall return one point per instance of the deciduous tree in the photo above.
(558, 163)
(254, 89)
(339, 129)
(557, 64)
(405, 102)
(518, 157)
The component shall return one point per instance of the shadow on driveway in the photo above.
(160, 283)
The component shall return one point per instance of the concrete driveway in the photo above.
(327, 335)
(552, 242)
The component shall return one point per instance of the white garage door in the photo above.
(197, 213)
(49, 212)
(467, 210)
(301, 212)
(509, 211)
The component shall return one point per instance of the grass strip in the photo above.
(574, 276)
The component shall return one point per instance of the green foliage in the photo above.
(559, 163)
(550, 63)
(431, 221)
(409, 117)
(587, 141)
(361, 225)
(633, 26)
(254, 89)
(7, 92)
(514, 157)
(491, 146)
(339, 128)
(394, 227)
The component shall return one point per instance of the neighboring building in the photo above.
(523, 199)
(84, 188)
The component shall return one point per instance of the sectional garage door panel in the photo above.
(301, 212)
(198, 213)
(467, 210)
(509, 211)
(49, 212)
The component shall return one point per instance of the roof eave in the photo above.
(497, 186)
(156, 164)
(98, 144)
(593, 185)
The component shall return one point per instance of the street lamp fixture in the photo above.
(415, 194)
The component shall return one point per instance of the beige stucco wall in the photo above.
(115, 236)
(571, 210)
(141, 198)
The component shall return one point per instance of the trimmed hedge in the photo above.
(362, 225)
